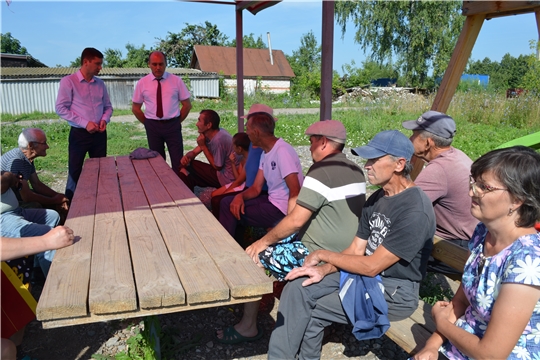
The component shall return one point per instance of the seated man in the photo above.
(394, 239)
(251, 166)
(445, 179)
(325, 216)
(216, 144)
(280, 167)
(16, 222)
(32, 144)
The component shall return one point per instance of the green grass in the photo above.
(484, 121)
(123, 138)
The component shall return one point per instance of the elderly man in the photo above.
(162, 93)
(325, 216)
(445, 179)
(216, 144)
(84, 102)
(279, 167)
(394, 239)
(32, 144)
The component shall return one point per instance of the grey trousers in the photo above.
(304, 312)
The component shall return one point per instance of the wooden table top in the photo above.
(146, 245)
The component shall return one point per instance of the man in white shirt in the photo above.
(162, 93)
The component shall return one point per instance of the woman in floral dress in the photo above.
(496, 312)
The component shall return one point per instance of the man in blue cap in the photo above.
(394, 240)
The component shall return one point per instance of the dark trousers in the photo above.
(216, 202)
(82, 142)
(200, 174)
(161, 132)
(258, 212)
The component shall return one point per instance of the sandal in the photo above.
(231, 336)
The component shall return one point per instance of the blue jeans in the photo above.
(30, 222)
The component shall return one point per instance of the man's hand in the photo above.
(186, 159)
(255, 249)
(237, 206)
(313, 259)
(315, 274)
(232, 157)
(102, 126)
(59, 237)
(92, 127)
(61, 199)
(201, 140)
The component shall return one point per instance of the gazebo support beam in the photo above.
(327, 48)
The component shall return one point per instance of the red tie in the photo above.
(159, 112)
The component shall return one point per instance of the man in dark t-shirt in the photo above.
(394, 240)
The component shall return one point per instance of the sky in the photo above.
(56, 32)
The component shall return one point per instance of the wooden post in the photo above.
(458, 61)
(450, 81)
(537, 13)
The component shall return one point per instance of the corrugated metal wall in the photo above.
(23, 96)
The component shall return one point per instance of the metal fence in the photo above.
(21, 96)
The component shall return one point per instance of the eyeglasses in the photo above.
(40, 143)
(481, 189)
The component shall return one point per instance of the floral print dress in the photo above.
(518, 263)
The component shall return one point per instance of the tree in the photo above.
(10, 45)
(113, 58)
(136, 57)
(179, 46)
(531, 79)
(76, 62)
(306, 65)
(370, 70)
(248, 41)
(421, 34)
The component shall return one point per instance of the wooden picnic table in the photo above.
(146, 246)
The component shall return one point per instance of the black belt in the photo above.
(166, 120)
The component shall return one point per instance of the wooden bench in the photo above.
(412, 333)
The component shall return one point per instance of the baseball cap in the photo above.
(259, 108)
(332, 129)
(389, 142)
(434, 122)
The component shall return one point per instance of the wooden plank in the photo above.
(93, 318)
(243, 277)
(422, 316)
(537, 16)
(458, 61)
(498, 8)
(198, 273)
(65, 293)
(408, 334)
(157, 283)
(451, 254)
(112, 287)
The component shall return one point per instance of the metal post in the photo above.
(327, 59)
(240, 70)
